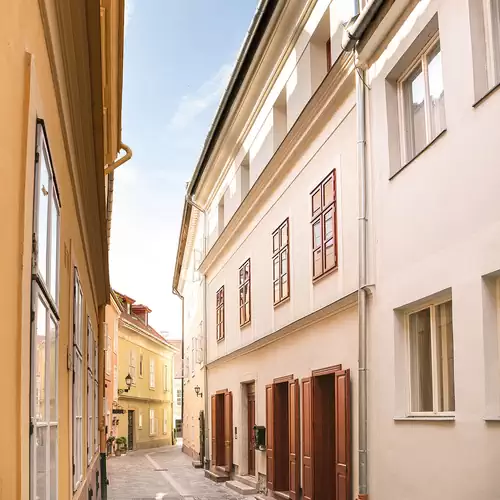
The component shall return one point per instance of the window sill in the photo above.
(281, 302)
(244, 325)
(434, 418)
(492, 418)
(220, 340)
(409, 162)
(325, 274)
(485, 96)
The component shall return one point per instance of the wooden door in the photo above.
(343, 435)
(270, 436)
(307, 439)
(228, 430)
(214, 430)
(294, 438)
(250, 439)
(131, 429)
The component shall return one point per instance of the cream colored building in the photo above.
(145, 409)
(60, 97)
(339, 253)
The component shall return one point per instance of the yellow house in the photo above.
(145, 409)
(60, 136)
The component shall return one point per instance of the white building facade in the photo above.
(296, 239)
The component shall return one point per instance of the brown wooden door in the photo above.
(214, 430)
(270, 435)
(343, 435)
(307, 439)
(250, 439)
(294, 438)
(228, 430)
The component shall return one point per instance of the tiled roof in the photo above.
(148, 330)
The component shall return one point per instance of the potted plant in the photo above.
(121, 445)
(109, 444)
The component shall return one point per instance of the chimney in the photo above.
(142, 312)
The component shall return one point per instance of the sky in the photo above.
(178, 57)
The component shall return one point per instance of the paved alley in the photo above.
(162, 474)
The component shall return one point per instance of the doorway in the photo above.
(250, 431)
(222, 430)
(131, 419)
(281, 429)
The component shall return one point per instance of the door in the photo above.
(307, 439)
(131, 429)
(214, 430)
(270, 436)
(294, 438)
(228, 430)
(202, 436)
(343, 435)
(250, 439)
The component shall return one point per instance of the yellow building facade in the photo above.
(145, 409)
(61, 121)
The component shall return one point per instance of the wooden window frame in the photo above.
(492, 68)
(220, 327)
(141, 365)
(328, 48)
(277, 254)
(318, 217)
(245, 282)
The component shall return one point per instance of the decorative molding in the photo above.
(326, 371)
(285, 378)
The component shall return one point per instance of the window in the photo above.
(244, 281)
(220, 215)
(166, 378)
(328, 54)
(115, 381)
(45, 323)
(219, 306)
(96, 396)
(179, 397)
(324, 226)
(421, 97)
(108, 349)
(245, 176)
(77, 383)
(492, 32)
(115, 334)
(165, 426)
(152, 373)
(90, 389)
(141, 365)
(431, 360)
(193, 354)
(152, 423)
(140, 420)
(281, 265)
(131, 367)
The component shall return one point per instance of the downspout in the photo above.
(176, 292)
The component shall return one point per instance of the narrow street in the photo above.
(162, 474)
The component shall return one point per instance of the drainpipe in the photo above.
(176, 292)
(126, 157)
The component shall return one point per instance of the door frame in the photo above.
(131, 411)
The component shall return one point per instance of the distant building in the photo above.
(178, 390)
(145, 409)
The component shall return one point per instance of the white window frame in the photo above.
(132, 366)
(420, 60)
(141, 365)
(108, 349)
(152, 378)
(140, 420)
(165, 423)
(492, 62)
(115, 336)
(193, 355)
(96, 396)
(78, 382)
(179, 397)
(166, 377)
(90, 390)
(435, 387)
(152, 422)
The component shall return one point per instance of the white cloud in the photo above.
(192, 105)
(129, 11)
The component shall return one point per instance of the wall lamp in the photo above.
(197, 390)
(128, 381)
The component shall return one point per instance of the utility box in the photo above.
(259, 435)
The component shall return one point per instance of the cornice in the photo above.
(331, 92)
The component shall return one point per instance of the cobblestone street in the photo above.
(162, 474)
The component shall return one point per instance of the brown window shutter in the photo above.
(270, 435)
(228, 430)
(343, 435)
(307, 439)
(214, 432)
(294, 438)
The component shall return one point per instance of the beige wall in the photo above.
(437, 227)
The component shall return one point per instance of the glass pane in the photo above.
(247, 311)
(41, 463)
(495, 28)
(53, 371)
(284, 262)
(316, 202)
(421, 361)
(53, 462)
(276, 241)
(54, 248)
(317, 234)
(329, 254)
(247, 271)
(276, 291)
(242, 275)
(242, 296)
(284, 235)
(242, 315)
(43, 216)
(328, 192)
(276, 268)
(328, 224)
(317, 262)
(446, 378)
(414, 98)
(41, 336)
(436, 89)
(284, 286)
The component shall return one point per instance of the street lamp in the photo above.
(197, 390)
(128, 382)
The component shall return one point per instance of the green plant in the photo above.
(121, 442)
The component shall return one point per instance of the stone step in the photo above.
(249, 480)
(260, 496)
(284, 495)
(196, 464)
(217, 475)
(241, 488)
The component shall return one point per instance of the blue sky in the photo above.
(178, 57)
